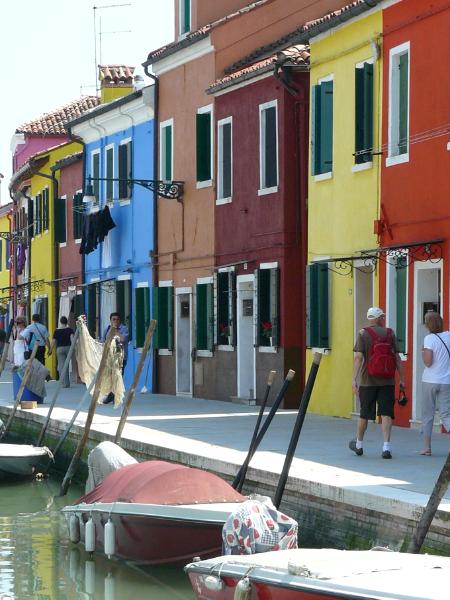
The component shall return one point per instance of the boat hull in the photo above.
(20, 460)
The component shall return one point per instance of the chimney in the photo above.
(115, 81)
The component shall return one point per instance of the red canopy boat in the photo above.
(154, 512)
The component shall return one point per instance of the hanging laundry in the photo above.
(21, 257)
(95, 228)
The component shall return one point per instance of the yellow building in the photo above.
(5, 262)
(343, 199)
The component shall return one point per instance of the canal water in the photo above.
(38, 562)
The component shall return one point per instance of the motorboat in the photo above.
(21, 459)
(322, 574)
(154, 512)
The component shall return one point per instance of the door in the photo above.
(246, 374)
(362, 300)
(183, 341)
(427, 296)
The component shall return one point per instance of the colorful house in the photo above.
(118, 140)
(5, 265)
(414, 224)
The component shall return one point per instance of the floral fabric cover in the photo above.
(258, 527)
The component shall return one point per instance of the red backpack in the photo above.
(381, 361)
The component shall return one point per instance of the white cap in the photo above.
(375, 312)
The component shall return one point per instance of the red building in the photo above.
(415, 217)
(261, 117)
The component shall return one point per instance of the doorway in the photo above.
(246, 373)
(427, 296)
(183, 340)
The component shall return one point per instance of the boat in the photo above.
(322, 574)
(21, 459)
(154, 512)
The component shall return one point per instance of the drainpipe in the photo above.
(155, 210)
(28, 199)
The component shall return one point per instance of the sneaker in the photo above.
(386, 454)
(108, 400)
(352, 446)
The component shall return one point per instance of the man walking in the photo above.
(123, 334)
(36, 333)
(376, 360)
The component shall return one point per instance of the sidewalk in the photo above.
(204, 432)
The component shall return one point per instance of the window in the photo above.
(30, 218)
(142, 321)
(45, 210)
(77, 210)
(226, 308)
(166, 148)
(268, 147)
(162, 312)
(317, 303)
(224, 159)
(39, 214)
(109, 183)
(398, 130)
(267, 311)
(60, 221)
(363, 112)
(205, 317)
(204, 146)
(125, 170)
(322, 127)
(185, 16)
(95, 170)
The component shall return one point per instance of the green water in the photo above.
(38, 561)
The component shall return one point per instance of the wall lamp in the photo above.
(172, 190)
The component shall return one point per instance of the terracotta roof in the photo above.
(306, 31)
(197, 35)
(115, 74)
(295, 56)
(53, 123)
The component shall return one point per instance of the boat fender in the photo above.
(110, 538)
(74, 529)
(89, 536)
(243, 589)
(110, 587)
(89, 577)
(213, 583)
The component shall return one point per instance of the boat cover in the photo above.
(104, 459)
(159, 482)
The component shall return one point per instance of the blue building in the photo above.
(119, 146)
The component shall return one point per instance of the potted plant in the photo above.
(225, 331)
(266, 330)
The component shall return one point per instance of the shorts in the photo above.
(371, 396)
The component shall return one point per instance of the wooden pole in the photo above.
(132, 390)
(6, 346)
(297, 427)
(427, 517)
(25, 378)
(59, 385)
(87, 427)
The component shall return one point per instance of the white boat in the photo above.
(323, 574)
(21, 459)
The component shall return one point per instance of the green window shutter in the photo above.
(170, 323)
(403, 104)
(323, 291)
(96, 175)
(47, 208)
(109, 174)
(232, 306)
(270, 149)
(92, 309)
(185, 16)
(275, 305)
(142, 297)
(326, 126)
(311, 306)
(203, 146)
(7, 254)
(162, 312)
(209, 317)
(37, 228)
(315, 130)
(359, 114)
(264, 324)
(201, 317)
(77, 217)
(155, 315)
(368, 112)
(317, 306)
(78, 305)
(225, 161)
(167, 155)
(123, 171)
(60, 220)
(401, 303)
(30, 220)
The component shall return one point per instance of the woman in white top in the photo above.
(19, 343)
(435, 378)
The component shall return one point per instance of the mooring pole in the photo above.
(59, 385)
(297, 427)
(240, 477)
(132, 390)
(427, 517)
(26, 375)
(87, 427)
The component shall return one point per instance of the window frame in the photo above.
(182, 18)
(395, 54)
(391, 297)
(263, 188)
(363, 164)
(220, 197)
(274, 311)
(209, 108)
(326, 174)
(162, 150)
(205, 352)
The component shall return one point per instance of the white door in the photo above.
(362, 300)
(427, 296)
(184, 341)
(246, 373)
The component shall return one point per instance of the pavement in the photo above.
(205, 432)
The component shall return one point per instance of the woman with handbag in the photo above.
(19, 344)
(435, 378)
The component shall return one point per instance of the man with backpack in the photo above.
(36, 333)
(376, 360)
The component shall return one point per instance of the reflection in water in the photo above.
(37, 561)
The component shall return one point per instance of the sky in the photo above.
(47, 53)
